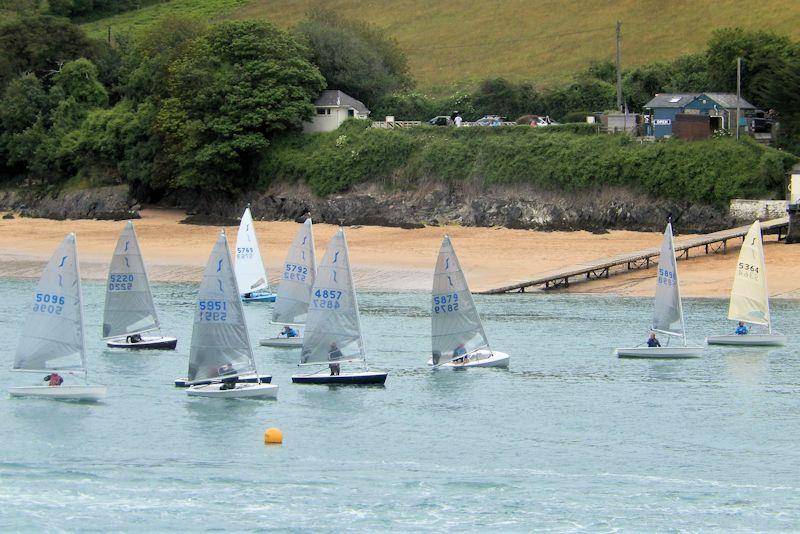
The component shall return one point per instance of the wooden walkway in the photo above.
(713, 243)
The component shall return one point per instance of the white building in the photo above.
(332, 109)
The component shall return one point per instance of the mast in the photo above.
(764, 274)
(80, 309)
(677, 281)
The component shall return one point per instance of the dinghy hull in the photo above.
(660, 353)
(365, 378)
(749, 340)
(248, 379)
(147, 342)
(83, 393)
(480, 358)
(239, 391)
(259, 297)
(282, 342)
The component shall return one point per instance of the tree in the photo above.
(232, 90)
(640, 84)
(498, 96)
(355, 57)
(689, 74)
(39, 44)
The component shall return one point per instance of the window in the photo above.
(351, 112)
(675, 99)
(323, 111)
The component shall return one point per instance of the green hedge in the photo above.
(566, 158)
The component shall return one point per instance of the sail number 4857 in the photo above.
(51, 304)
(213, 310)
(447, 303)
(326, 299)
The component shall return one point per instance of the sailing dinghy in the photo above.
(129, 310)
(221, 350)
(668, 313)
(52, 338)
(749, 296)
(250, 273)
(457, 336)
(333, 327)
(294, 291)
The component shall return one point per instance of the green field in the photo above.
(455, 41)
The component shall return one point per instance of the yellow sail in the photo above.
(749, 297)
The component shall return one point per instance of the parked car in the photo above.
(490, 120)
(441, 120)
(536, 120)
(761, 122)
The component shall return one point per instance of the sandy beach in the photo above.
(388, 258)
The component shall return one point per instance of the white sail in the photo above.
(250, 273)
(52, 338)
(454, 318)
(668, 314)
(129, 305)
(220, 341)
(749, 295)
(297, 280)
(333, 329)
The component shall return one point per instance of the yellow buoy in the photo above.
(273, 436)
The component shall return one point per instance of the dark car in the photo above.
(441, 120)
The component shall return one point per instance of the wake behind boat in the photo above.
(749, 302)
(129, 311)
(457, 336)
(333, 330)
(220, 352)
(294, 291)
(52, 338)
(251, 276)
(668, 311)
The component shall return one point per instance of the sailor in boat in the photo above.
(334, 354)
(652, 341)
(288, 331)
(248, 295)
(54, 379)
(230, 382)
(135, 338)
(460, 354)
(742, 329)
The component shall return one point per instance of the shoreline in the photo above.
(387, 258)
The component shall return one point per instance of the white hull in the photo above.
(749, 340)
(480, 358)
(147, 342)
(282, 342)
(86, 393)
(663, 353)
(249, 378)
(242, 390)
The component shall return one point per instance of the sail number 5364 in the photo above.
(447, 303)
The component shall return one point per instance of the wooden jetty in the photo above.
(714, 243)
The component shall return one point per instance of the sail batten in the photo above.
(52, 337)
(455, 323)
(333, 328)
(220, 340)
(668, 312)
(129, 307)
(297, 279)
(251, 276)
(749, 295)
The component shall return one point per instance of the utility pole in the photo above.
(619, 67)
(109, 36)
(738, 92)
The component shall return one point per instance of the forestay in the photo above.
(749, 295)
(52, 337)
(668, 314)
(220, 341)
(297, 280)
(250, 273)
(129, 305)
(454, 317)
(333, 329)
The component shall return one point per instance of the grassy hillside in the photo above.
(541, 40)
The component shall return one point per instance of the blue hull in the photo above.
(260, 297)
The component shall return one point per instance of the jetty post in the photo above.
(793, 205)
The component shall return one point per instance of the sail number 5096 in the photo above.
(213, 310)
(51, 304)
(445, 303)
(326, 299)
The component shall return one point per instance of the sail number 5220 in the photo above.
(120, 282)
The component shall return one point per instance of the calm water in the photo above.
(568, 439)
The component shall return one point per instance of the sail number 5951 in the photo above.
(447, 303)
(213, 310)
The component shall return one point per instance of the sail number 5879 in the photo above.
(445, 303)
